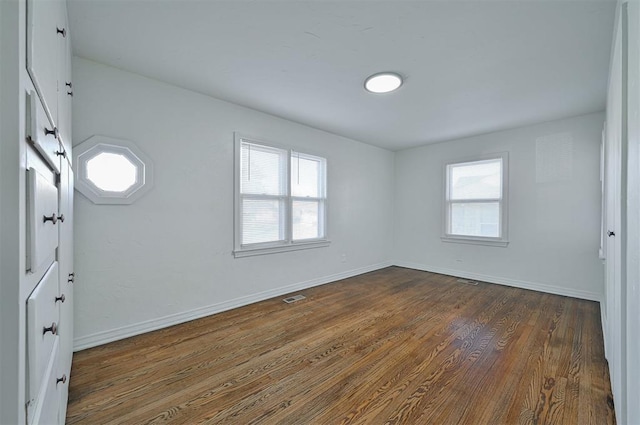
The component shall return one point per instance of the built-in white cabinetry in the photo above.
(43, 318)
(43, 32)
(66, 282)
(43, 220)
(65, 85)
(41, 133)
(49, 63)
(49, 213)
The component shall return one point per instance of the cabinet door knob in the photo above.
(53, 329)
(62, 153)
(63, 379)
(610, 233)
(53, 132)
(68, 84)
(53, 218)
(61, 218)
(72, 277)
(61, 31)
(61, 298)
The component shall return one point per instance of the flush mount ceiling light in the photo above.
(383, 82)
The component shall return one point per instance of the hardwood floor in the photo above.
(395, 346)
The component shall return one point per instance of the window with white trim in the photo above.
(111, 171)
(476, 201)
(281, 199)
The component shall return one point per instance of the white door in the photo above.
(632, 284)
(614, 289)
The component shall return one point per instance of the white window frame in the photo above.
(288, 244)
(503, 239)
(96, 145)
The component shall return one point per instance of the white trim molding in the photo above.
(502, 240)
(96, 145)
(287, 198)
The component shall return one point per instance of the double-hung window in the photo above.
(281, 199)
(476, 201)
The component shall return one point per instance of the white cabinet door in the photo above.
(65, 257)
(62, 388)
(66, 284)
(42, 335)
(43, 220)
(47, 411)
(65, 88)
(41, 133)
(43, 31)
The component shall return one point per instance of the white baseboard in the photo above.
(111, 335)
(535, 286)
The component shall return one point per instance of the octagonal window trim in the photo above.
(97, 145)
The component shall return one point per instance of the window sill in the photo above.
(250, 252)
(475, 241)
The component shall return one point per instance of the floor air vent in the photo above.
(467, 282)
(294, 299)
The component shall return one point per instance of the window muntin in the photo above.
(475, 201)
(281, 199)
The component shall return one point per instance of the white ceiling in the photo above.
(471, 67)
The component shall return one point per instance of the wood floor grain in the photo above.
(395, 346)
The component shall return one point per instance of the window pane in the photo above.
(262, 220)
(476, 180)
(306, 176)
(262, 170)
(111, 172)
(476, 219)
(307, 220)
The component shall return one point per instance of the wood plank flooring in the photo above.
(395, 346)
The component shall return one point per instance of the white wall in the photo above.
(553, 226)
(167, 257)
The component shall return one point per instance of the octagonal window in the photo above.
(111, 171)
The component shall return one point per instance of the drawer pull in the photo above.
(61, 31)
(63, 379)
(69, 85)
(53, 329)
(70, 93)
(62, 153)
(60, 298)
(54, 218)
(53, 132)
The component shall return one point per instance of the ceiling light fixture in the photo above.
(383, 82)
